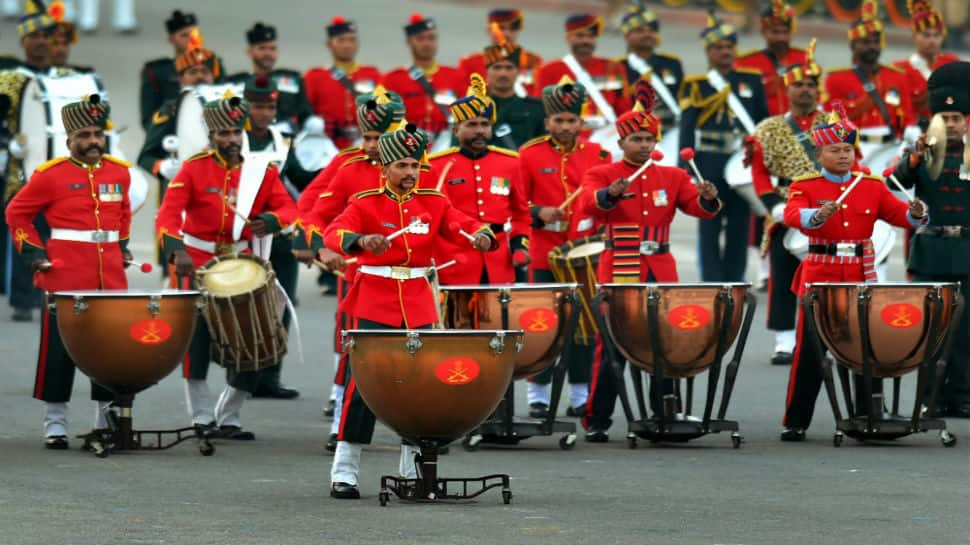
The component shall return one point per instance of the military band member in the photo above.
(63, 37)
(602, 77)
(929, 31)
(84, 199)
(552, 169)
(778, 24)
(195, 223)
(509, 24)
(876, 96)
(292, 107)
(427, 87)
(940, 250)
(637, 214)
(518, 119)
(35, 28)
(783, 150)
(390, 290)
(840, 248)
(483, 182)
(720, 108)
(641, 30)
(333, 91)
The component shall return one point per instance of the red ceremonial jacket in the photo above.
(335, 103)
(772, 73)
(917, 82)
(320, 182)
(643, 213)
(891, 84)
(198, 190)
(489, 189)
(529, 62)
(550, 175)
(871, 200)
(608, 76)
(449, 84)
(392, 302)
(73, 195)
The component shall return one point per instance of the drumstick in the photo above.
(324, 266)
(423, 218)
(888, 173)
(444, 172)
(459, 259)
(571, 198)
(655, 155)
(455, 226)
(234, 211)
(687, 154)
(862, 174)
(145, 267)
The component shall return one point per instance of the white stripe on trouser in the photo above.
(537, 393)
(406, 465)
(336, 366)
(785, 340)
(578, 394)
(199, 401)
(55, 419)
(338, 408)
(346, 463)
(230, 403)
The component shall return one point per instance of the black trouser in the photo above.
(725, 264)
(287, 272)
(55, 368)
(956, 381)
(4, 246)
(782, 301)
(356, 420)
(23, 294)
(580, 355)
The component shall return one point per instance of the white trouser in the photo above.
(55, 419)
(199, 401)
(346, 462)
(122, 18)
(764, 268)
(785, 341)
(333, 389)
(537, 393)
(338, 408)
(578, 394)
(230, 403)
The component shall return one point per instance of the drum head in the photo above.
(233, 276)
(586, 250)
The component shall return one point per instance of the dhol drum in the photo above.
(576, 262)
(193, 136)
(43, 131)
(677, 331)
(244, 311)
(885, 330)
(740, 179)
(432, 387)
(127, 341)
(883, 241)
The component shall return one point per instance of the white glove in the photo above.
(169, 168)
(778, 212)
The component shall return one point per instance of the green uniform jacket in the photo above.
(159, 83)
(292, 104)
(518, 120)
(161, 124)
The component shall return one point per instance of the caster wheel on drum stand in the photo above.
(506, 497)
(567, 442)
(470, 442)
(631, 441)
(736, 440)
(948, 439)
(206, 448)
(384, 497)
(837, 439)
(99, 449)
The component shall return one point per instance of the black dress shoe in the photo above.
(793, 434)
(236, 433)
(577, 412)
(332, 443)
(329, 408)
(276, 391)
(208, 430)
(538, 410)
(56, 442)
(596, 435)
(960, 410)
(344, 491)
(781, 358)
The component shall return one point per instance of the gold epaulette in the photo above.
(694, 78)
(348, 151)
(429, 192)
(869, 177)
(52, 162)
(353, 160)
(444, 153)
(534, 141)
(117, 161)
(839, 69)
(503, 151)
(893, 68)
(750, 71)
(803, 177)
(369, 193)
(200, 155)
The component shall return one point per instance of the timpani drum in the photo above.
(576, 262)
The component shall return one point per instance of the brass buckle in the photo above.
(400, 273)
(223, 248)
(99, 236)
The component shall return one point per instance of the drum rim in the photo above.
(540, 286)
(432, 332)
(118, 293)
(675, 285)
(893, 284)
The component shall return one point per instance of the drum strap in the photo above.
(718, 82)
(582, 76)
(342, 79)
(804, 138)
(658, 84)
(870, 88)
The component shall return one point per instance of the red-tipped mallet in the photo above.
(888, 174)
(687, 154)
(655, 156)
(459, 259)
(455, 226)
(144, 267)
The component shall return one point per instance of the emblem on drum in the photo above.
(457, 371)
(150, 331)
(538, 320)
(689, 317)
(901, 315)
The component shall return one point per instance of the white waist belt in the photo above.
(78, 235)
(397, 273)
(209, 246)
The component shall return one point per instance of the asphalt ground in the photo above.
(275, 489)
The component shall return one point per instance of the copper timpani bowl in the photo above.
(540, 310)
(905, 322)
(690, 317)
(432, 385)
